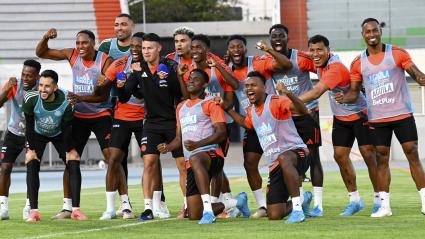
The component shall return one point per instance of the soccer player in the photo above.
(156, 79)
(90, 116)
(14, 141)
(297, 80)
(128, 120)
(201, 126)
(241, 64)
(380, 68)
(119, 46)
(222, 83)
(48, 117)
(286, 154)
(349, 121)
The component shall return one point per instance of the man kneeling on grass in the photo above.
(284, 150)
(201, 126)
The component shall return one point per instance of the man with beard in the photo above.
(14, 141)
(128, 120)
(241, 65)
(380, 68)
(285, 152)
(349, 121)
(297, 80)
(92, 107)
(48, 117)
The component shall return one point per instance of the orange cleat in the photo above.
(78, 215)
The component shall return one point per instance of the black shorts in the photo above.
(276, 191)
(82, 128)
(40, 142)
(315, 115)
(216, 167)
(151, 137)
(12, 147)
(405, 131)
(224, 145)
(344, 132)
(309, 130)
(251, 142)
(121, 133)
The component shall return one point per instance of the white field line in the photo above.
(96, 229)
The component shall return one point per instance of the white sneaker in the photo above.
(161, 213)
(382, 212)
(108, 216)
(119, 211)
(4, 215)
(26, 212)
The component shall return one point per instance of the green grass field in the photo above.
(406, 222)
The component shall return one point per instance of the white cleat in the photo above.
(26, 212)
(161, 213)
(108, 216)
(119, 212)
(4, 215)
(382, 212)
(423, 210)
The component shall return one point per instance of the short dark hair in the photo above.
(257, 74)
(151, 37)
(139, 34)
(89, 33)
(279, 26)
(125, 15)
(236, 37)
(33, 63)
(370, 19)
(203, 73)
(51, 74)
(203, 38)
(318, 38)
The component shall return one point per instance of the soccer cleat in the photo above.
(382, 212)
(119, 211)
(207, 218)
(223, 214)
(375, 208)
(423, 211)
(233, 212)
(78, 215)
(242, 204)
(261, 212)
(353, 208)
(63, 214)
(26, 212)
(34, 216)
(4, 215)
(306, 203)
(146, 215)
(316, 212)
(127, 214)
(108, 216)
(295, 217)
(161, 213)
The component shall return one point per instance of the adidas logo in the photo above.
(125, 202)
(144, 74)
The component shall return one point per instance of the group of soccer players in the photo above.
(184, 104)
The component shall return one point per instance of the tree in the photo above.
(186, 10)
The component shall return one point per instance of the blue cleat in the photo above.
(352, 208)
(146, 215)
(207, 218)
(316, 212)
(295, 217)
(375, 207)
(306, 203)
(242, 204)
